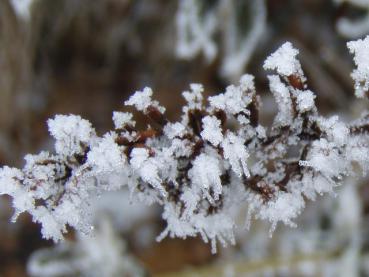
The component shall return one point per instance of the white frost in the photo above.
(305, 100)
(205, 174)
(360, 49)
(70, 131)
(283, 98)
(236, 152)
(122, 119)
(141, 100)
(212, 131)
(284, 61)
(236, 98)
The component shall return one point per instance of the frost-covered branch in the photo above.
(203, 167)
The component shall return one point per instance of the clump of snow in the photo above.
(285, 208)
(236, 152)
(215, 227)
(284, 61)
(176, 227)
(194, 97)
(336, 131)
(181, 148)
(212, 227)
(305, 100)
(247, 82)
(51, 229)
(360, 49)
(325, 159)
(106, 156)
(122, 119)
(235, 99)
(205, 174)
(71, 132)
(141, 100)
(146, 168)
(212, 131)
(283, 98)
(172, 130)
(10, 184)
(359, 152)
(260, 132)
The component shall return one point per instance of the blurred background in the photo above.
(87, 56)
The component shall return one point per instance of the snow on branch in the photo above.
(198, 169)
(360, 49)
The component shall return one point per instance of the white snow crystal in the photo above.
(236, 152)
(235, 99)
(181, 148)
(360, 49)
(142, 100)
(51, 229)
(284, 208)
(205, 174)
(247, 82)
(337, 131)
(176, 227)
(146, 168)
(284, 61)
(10, 179)
(122, 119)
(191, 198)
(70, 131)
(305, 100)
(194, 97)
(324, 158)
(106, 156)
(260, 131)
(283, 99)
(212, 131)
(172, 130)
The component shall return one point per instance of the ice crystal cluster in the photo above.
(202, 168)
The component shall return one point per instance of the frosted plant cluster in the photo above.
(203, 167)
